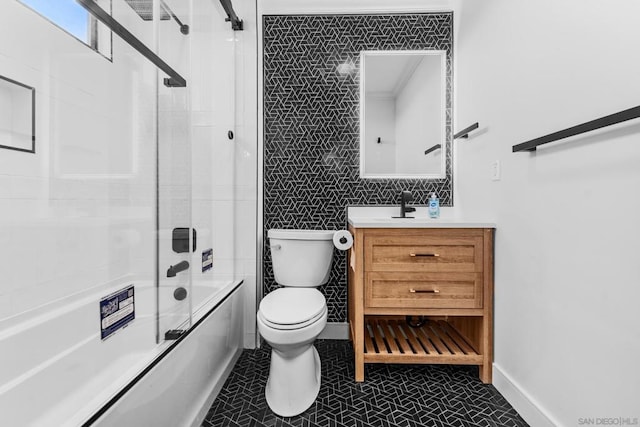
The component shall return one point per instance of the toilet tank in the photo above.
(301, 258)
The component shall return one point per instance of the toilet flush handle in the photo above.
(276, 247)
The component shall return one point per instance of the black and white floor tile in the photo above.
(392, 395)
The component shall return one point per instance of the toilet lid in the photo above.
(292, 306)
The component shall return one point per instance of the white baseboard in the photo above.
(335, 331)
(527, 407)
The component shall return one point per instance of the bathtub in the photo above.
(56, 371)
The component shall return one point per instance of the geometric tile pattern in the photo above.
(311, 123)
(392, 395)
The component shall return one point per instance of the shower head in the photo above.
(144, 9)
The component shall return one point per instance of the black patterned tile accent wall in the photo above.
(312, 130)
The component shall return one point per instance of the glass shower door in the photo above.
(175, 234)
(162, 27)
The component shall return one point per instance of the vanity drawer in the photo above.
(424, 250)
(420, 290)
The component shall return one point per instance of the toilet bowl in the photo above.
(291, 318)
(294, 372)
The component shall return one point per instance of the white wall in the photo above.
(568, 236)
(419, 119)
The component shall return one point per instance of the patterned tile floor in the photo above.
(392, 395)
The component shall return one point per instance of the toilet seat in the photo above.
(292, 308)
(291, 326)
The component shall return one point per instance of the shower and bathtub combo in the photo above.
(123, 299)
(129, 300)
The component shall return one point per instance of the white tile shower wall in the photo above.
(568, 236)
(71, 217)
(212, 82)
(246, 166)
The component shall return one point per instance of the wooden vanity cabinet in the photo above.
(444, 274)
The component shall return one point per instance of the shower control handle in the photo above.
(180, 293)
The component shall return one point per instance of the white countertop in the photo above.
(382, 217)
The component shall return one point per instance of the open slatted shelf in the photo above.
(388, 340)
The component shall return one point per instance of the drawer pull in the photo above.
(424, 291)
(431, 255)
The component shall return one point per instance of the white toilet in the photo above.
(290, 318)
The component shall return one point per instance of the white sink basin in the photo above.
(384, 217)
(395, 219)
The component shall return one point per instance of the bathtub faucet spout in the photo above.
(175, 269)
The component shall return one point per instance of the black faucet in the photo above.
(175, 269)
(406, 197)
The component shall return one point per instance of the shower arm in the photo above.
(184, 29)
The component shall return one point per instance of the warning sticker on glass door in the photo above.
(207, 260)
(116, 311)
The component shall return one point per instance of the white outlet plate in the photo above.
(495, 170)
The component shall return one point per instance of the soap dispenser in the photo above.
(434, 206)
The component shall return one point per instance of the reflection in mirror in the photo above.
(402, 114)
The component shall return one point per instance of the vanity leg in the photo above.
(358, 350)
(486, 369)
(486, 372)
(486, 348)
(355, 280)
(359, 367)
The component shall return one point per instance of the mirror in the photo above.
(402, 114)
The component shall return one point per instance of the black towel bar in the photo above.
(464, 133)
(434, 148)
(609, 120)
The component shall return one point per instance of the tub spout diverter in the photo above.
(175, 269)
